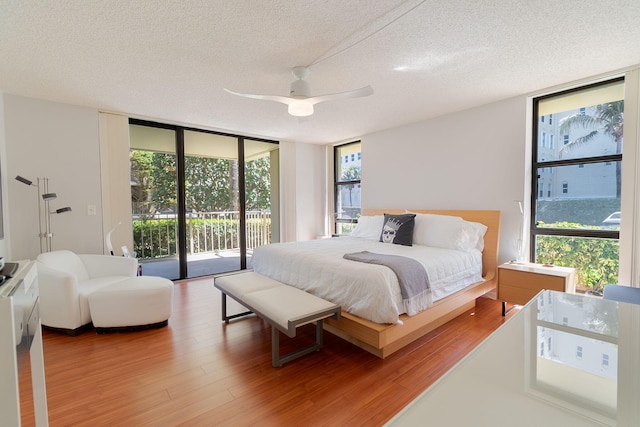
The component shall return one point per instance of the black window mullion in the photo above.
(182, 206)
(243, 205)
(578, 161)
(577, 232)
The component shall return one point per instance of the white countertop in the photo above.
(527, 373)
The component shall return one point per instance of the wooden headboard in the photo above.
(487, 217)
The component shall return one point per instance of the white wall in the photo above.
(303, 191)
(630, 201)
(472, 159)
(116, 182)
(311, 191)
(60, 142)
(4, 246)
(287, 191)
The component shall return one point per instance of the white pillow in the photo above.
(368, 227)
(444, 231)
(480, 230)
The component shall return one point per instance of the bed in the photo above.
(373, 314)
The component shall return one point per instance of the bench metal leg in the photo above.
(226, 318)
(278, 361)
(319, 330)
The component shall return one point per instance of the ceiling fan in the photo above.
(300, 101)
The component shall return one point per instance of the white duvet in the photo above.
(365, 290)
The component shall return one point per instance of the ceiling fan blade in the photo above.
(277, 98)
(363, 91)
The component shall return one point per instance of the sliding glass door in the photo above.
(154, 199)
(212, 203)
(223, 199)
(261, 195)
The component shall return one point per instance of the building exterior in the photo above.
(579, 350)
(585, 180)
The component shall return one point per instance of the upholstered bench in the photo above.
(134, 303)
(282, 306)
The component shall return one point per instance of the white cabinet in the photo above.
(22, 381)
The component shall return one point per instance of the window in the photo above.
(579, 352)
(347, 187)
(568, 228)
(605, 360)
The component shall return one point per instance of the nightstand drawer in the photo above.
(534, 281)
(519, 283)
(516, 295)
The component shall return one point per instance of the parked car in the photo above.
(613, 219)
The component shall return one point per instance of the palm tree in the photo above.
(607, 119)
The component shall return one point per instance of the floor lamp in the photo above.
(44, 213)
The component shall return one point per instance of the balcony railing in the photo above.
(156, 236)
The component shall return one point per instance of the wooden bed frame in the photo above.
(384, 339)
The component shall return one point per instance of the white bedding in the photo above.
(365, 290)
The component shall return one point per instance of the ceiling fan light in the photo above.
(300, 108)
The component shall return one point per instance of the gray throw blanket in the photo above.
(412, 277)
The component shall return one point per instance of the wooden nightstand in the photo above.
(519, 282)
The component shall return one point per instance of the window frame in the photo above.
(536, 166)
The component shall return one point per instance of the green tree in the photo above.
(595, 260)
(211, 184)
(208, 185)
(141, 165)
(607, 119)
(164, 189)
(258, 184)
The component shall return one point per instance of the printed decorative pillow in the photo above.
(398, 229)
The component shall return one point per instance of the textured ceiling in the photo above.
(170, 60)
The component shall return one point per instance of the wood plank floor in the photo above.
(199, 372)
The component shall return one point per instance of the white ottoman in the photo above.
(135, 303)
